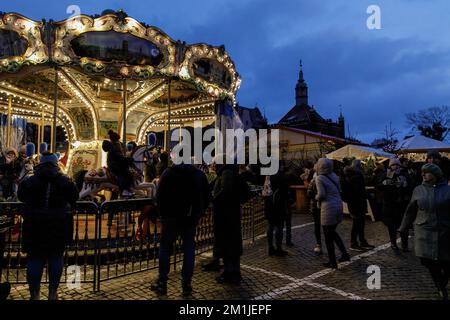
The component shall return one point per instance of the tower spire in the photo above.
(301, 89)
(300, 75)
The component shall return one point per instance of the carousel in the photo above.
(76, 79)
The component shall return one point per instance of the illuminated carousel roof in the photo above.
(94, 56)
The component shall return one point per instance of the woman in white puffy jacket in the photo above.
(331, 210)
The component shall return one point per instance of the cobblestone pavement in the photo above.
(300, 275)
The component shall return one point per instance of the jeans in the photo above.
(35, 268)
(124, 179)
(170, 229)
(359, 222)
(278, 228)
(331, 237)
(317, 232)
(288, 222)
(392, 228)
(439, 271)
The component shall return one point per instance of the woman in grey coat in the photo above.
(429, 210)
(328, 195)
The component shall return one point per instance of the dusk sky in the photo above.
(376, 75)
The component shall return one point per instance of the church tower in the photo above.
(301, 89)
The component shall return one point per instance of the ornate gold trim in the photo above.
(68, 30)
(204, 51)
(30, 30)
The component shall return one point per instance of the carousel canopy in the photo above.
(421, 144)
(358, 152)
(93, 60)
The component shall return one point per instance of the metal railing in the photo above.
(116, 240)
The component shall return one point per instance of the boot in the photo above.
(279, 252)
(159, 286)
(186, 289)
(52, 294)
(332, 265)
(35, 294)
(345, 257)
(213, 265)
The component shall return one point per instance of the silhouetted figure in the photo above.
(354, 194)
(50, 198)
(230, 191)
(182, 199)
(395, 188)
(276, 202)
(118, 163)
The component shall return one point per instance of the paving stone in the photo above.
(402, 276)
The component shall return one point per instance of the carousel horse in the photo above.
(97, 180)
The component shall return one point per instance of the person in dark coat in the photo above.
(182, 198)
(354, 194)
(9, 172)
(50, 198)
(5, 287)
(429, 210)
(395, 187)
(163, 164)
(290, 180)
(230, 191)
(118, 163)
(150, 168)
(276, 202)
(443, 163)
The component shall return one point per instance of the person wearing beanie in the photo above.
(8, 172)
(49, 197)
(395, 187)
(118, 163)
(48, 157)
(429, 213)
(433, 156)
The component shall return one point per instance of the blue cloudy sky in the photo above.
(376, 75)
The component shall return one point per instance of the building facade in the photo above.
(303, 116)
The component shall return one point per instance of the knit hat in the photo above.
(49, 157)
(394, 161)
(433, 169)
(433, 154)
(113, 136)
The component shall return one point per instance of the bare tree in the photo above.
(433, 122)
(389, 141)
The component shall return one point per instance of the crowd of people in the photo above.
(408, 197)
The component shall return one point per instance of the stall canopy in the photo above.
(358, 152)
(421, 144)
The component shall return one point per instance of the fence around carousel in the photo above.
(106, 243)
